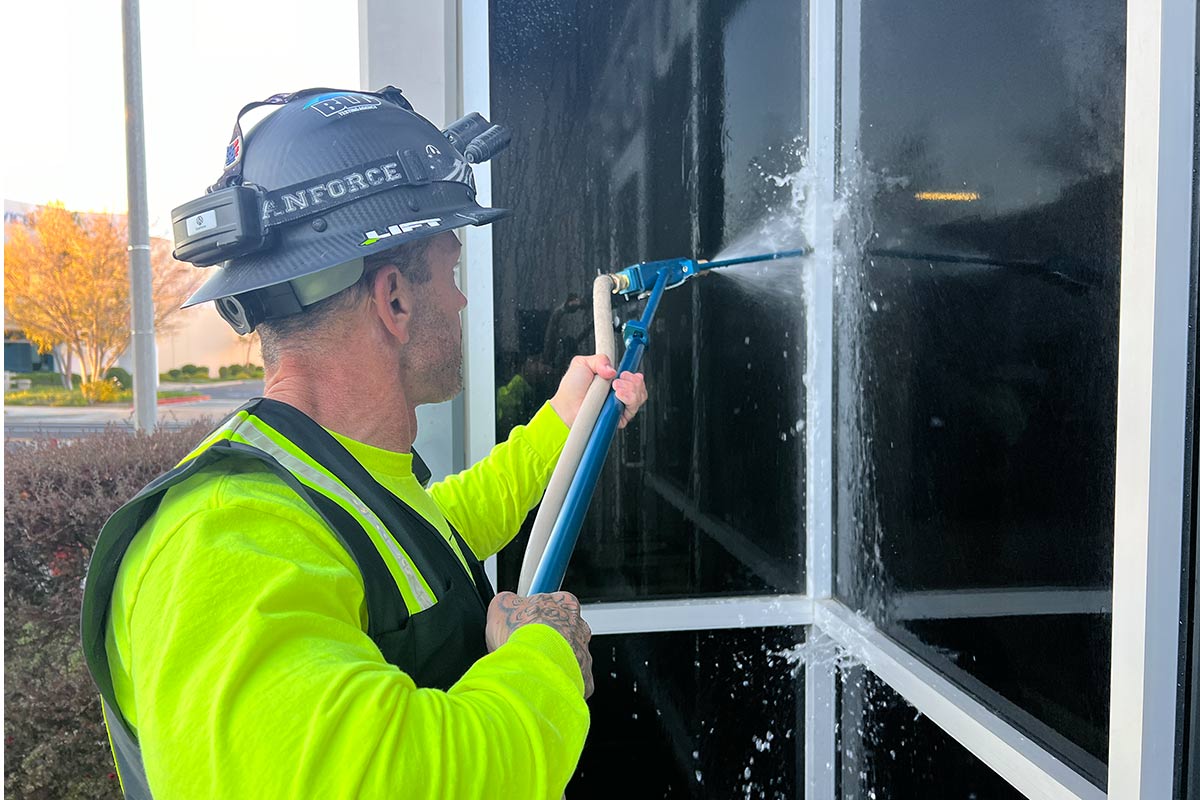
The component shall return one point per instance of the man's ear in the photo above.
(393, 300)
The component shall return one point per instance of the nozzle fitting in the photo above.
(620, 282)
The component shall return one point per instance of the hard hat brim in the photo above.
(269, 268)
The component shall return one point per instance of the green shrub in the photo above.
(121, 376)
(241, 372)
(56, 497)
(188, 373)
(192, 371)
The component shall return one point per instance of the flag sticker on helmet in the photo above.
(339, 104)
(398, 229)
(233, 152)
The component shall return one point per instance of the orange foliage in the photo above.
(66, 281)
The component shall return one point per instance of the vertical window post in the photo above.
(820, 690)
(1151, 396)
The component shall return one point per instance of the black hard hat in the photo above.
(331, 177)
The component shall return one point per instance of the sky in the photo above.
(63, 118)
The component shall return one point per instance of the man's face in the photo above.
(434, 353)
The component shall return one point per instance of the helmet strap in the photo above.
(232, 175)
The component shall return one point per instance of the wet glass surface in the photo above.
(646, 131)
(976, 361)
(890, 751)
(706, 714)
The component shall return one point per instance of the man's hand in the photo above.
(630, 388)
(559, 610)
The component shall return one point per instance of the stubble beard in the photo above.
(443, 377)
(456, 379)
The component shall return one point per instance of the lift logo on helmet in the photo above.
(340, 104)
(398, 229)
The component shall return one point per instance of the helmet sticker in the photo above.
(233, 152)
(204, 221)
(401, 228)
(341, 104)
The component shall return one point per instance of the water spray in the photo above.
(640, 279)
(574, 481)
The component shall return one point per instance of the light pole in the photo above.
(145, 354)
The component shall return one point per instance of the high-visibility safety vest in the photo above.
(426, 615)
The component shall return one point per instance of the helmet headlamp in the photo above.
(221, 225)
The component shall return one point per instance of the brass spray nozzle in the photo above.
(620, 282)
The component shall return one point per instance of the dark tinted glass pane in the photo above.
(977, 351)
(702, 714)
(646, 131)
(890, 751)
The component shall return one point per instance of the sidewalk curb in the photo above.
(165, 401)
(198, 385)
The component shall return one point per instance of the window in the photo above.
(641, 133)
(978, 352)
(891, 751)
(695, 714)
(940, 377)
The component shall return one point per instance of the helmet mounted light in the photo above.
(330, 178)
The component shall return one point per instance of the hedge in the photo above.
(57, 495)
(240, 371)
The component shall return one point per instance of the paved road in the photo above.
(24, 422)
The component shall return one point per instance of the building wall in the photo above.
(204, 339)
(415, 48)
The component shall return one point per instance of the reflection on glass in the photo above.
(642, 132)
(977, 346)
(708, 714)
(889, 751)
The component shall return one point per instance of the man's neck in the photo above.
(372, 409)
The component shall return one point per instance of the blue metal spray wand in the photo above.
(647, 278)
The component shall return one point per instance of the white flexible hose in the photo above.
(602, 327)
(577, 439)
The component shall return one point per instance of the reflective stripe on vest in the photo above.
(251, 430)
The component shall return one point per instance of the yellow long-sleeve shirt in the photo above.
(239, 656)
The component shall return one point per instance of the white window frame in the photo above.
(1152, 394)
(1156, 257)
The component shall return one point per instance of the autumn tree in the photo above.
(66, 281)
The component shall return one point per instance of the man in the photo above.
(290, 612)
